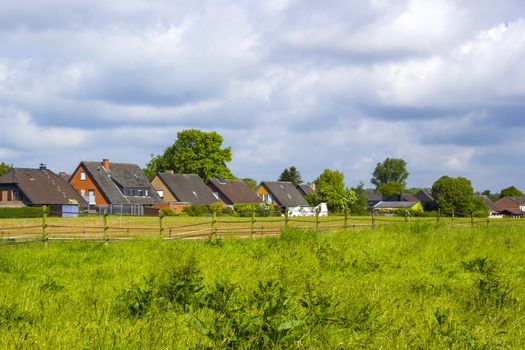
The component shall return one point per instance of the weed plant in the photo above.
(417, 286)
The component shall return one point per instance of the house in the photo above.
(493, 210)
(403, 197)
(37, 187)
(280, 193)
(385, 207)
(120, 187)
(305, 189)
(512, 206)
(372, 198)
(179, 190)
(425, 195)
(232, 192)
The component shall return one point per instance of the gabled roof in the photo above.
(124, 175)
(517, 200)
(489, 203)
(372, 196)
(425, 195)
(234, 191)
(405, 197)
(395, 205)
(42, 187)
(188, 188)
(285, 193)
(305, 189)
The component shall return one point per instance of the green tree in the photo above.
(292, 175)
(194, 152)
(390, 170)
(4, 168)
(330, 187)
(250, 182)
(456, 195)
(492, 196)
(359, 207)
(511, 191)
(390, 188)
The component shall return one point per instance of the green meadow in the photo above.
(415, 286)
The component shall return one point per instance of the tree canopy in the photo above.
(291, 174)
(390, 188)
(455, 195)
(511, 191)
(390, 170)
(4, 168)
(330, 187)
(193, 152)
(250, 182)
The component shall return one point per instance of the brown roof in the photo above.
(188, 188)
(233, 191)
(42, 187)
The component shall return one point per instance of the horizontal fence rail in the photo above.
(114, 227)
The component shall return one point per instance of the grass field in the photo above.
(417, 286)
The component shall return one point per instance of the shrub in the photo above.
(167, 212)
(20, 212)
(196, 210)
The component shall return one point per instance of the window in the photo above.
(139, 192)
(16, 195)
(145, 192)
(160, 193)
(91, 197)
(83, 175)
(216, 194)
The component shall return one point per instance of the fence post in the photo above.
(161, 225)
(406, 216)
(438, 215)
(213, 222)
(44, 225)
(453, 216)
(253, 221)
(472, 219)
(488, 221)
(346, 218)
(285, 217)
(106, 227)
(373, 218)
(317, 218)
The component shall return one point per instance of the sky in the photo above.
(315, 84)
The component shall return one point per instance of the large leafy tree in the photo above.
(330, 187)
(511, 191)
(456, 195)
(194, 152)
(4, 168)
(250, 182)
(291, 174)
(390, 174)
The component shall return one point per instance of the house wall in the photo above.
(158, 185)
(86, 185)
(7, 196)
(262, 192)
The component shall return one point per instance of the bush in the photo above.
(243, 210)
(167, 212)
(196, 210)
(20, 212)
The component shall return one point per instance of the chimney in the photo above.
(105, 164)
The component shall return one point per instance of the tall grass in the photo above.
(406, 286)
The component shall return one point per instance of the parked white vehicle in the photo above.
(308, 211)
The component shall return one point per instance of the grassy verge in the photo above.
(401, 286)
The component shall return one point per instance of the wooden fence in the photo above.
(112, 227)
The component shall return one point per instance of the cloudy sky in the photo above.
(316, 84)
